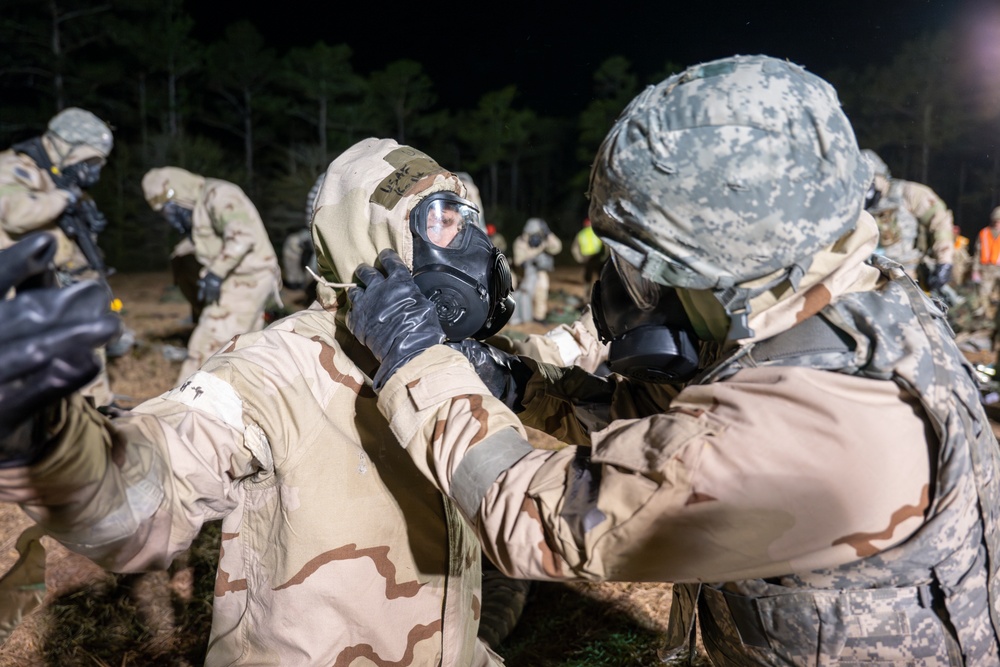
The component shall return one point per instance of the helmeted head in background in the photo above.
(727, 181)
(76, 140)
(995, 217)
(536, 226)
(880, 183)
(173, 192)
(378, 194)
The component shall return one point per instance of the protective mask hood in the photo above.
(165, 184)
(368, 201)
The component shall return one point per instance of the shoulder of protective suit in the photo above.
(21, 169)
(219, 193)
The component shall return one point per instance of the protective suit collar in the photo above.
(838, 269)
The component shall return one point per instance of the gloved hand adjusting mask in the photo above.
(651, 337)
(457, 267)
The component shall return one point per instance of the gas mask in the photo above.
(456, 266)
(178, 217)
(651, 337)
(86, 173)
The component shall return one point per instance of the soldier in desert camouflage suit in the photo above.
(240, 270)
(76, 143)
(915, 226)
(827, 491)
(534, 253)
(335, 549)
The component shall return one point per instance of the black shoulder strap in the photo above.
(814, 335)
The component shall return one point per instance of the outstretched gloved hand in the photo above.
(505, 375)
(47, 341)
(390, 316)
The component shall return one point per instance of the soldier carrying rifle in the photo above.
(43, 187)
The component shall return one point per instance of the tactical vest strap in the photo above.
(813, 335)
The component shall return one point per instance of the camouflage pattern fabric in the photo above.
(915, 225)
(889, 603)
(574, 344)
(534, 263)
(336, 550)
(30, 202)
(679, 188)
(78, 126)
(734, 479)
(230, 241)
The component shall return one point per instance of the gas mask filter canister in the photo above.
(653, 343)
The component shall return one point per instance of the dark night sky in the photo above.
(550, 54)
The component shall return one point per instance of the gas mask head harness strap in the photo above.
(651, 337)
(457, 267)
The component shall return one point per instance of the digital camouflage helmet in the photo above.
(734, 171)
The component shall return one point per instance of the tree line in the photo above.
(236, 108)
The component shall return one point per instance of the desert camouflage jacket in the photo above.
(228, 234)
(915, 223)
(335, 548)
(806, 487)
(31, 202)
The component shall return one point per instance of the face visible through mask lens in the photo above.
(456, 266)
(446, 222)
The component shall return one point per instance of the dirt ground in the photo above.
(93, 618)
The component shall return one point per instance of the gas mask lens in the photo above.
(644, 292)
(445, 222)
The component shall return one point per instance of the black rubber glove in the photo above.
(390, 316)
(939, 277)
(505, 375)
(209, 288)
(46, 343)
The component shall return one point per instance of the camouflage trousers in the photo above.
(240, 309)
(989, 280)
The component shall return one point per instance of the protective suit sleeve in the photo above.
(133, 492)
(552, 244)
(935, 218)
(575, 344)
(24, 209)
(720, 487)
(235, 222)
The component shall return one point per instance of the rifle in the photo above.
(80, 222)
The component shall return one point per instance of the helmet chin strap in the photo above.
(736, 300)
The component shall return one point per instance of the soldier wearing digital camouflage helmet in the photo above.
(915, 226)
(823, 488)
(44, 180)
